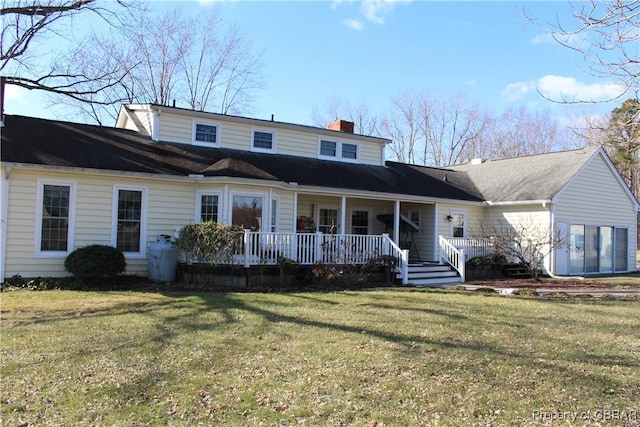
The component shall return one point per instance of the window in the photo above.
(349, 151)
(338, 150)
(328, 148)
(55, 220)
(328, 221)
(247, 211)
(360, 222)
(457, 224)
(129, 220)
(209, 207)
(263, 140)
(205, 134)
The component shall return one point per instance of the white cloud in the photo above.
(559, 88)
(375, 10)
(354, 24)
(563, 89)
(515, 91)
(544, 38)
(15, 93)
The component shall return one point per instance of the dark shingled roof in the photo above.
(46, 142)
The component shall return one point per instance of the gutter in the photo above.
(542, 202)
(199, 178)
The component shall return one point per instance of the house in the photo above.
(306, 193)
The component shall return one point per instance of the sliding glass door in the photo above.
(597, 249)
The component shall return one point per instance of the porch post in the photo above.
(343, 215)
(396, 222)
(294, 241)
(318, 248)
(247, 248)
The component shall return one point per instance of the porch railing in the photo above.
(266, 248)
(453, 256)
(473, 247)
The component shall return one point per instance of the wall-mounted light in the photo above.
(449, 218)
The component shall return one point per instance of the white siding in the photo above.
(475, 216)
(596, 197)
(170, 206)
(175, 127)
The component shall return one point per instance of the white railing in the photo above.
(402, 255)
(473, 247)
(452, 255)
(265, 248)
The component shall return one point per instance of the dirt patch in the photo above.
(550, 284)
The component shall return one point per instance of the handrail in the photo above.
(452, 255)
(401, 254)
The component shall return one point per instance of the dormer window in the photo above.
(349, 151)
(263, 140)
(338, 150)
(328, 148)
(206, 133)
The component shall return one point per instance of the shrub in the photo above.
(95, 262)
(485, 290)
(209, 242)
(526, 292)
(489, 259)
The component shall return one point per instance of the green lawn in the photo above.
(386, 357)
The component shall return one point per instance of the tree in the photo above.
(623, 142)
(607, 36)
(365, 123)
(524, 240)
(171, 57)
(27, 24)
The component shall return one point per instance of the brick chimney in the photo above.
(341, 126)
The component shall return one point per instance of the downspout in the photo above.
(4, 210)
(156, 123)
(552, 227)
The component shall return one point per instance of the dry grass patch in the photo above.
(391, 357)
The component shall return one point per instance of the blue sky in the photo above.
(371, 51)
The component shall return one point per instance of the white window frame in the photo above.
(274, 138)
(265, 200)
(71, 219)
(206, 123)
(348, 159)
(369, 222)
(328, 207)
(339, 144)
(199, 194)
(454, 212)
(142, 253)
(274, 214)
(324, 156)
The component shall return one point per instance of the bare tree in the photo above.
(524, 240)
(405, 127)
(169, 57)
(365, 123)
(28, 23)
(606, 34)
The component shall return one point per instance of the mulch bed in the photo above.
(546, 283)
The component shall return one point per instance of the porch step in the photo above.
(427, 274)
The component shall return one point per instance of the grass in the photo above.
(386, 357)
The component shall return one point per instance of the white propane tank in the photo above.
(163, 259)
